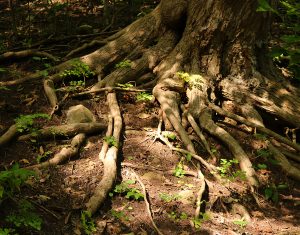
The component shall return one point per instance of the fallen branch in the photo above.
(65, 130)
(64, 154)
(109, 89)
(26, 53)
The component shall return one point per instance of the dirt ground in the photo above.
(59, 193)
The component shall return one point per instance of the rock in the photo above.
(79, 114)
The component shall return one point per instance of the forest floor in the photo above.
(59, 193)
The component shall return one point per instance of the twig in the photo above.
(148, 207)
(45, 209)
(109, 89)
(26, 53)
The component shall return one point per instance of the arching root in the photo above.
(64, 154)
(110, 159)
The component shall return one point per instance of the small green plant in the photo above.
(12, 180)
(25, 216)
(125, 86)
(193, 80)
(4, 88)
(3, 70)
(261, 136)
(261, 166)
(179, 171)
(125, 188)
(169, 135)
(288, 53)
(42, 157)
(241, 222)
(124, 64)
(226, 170)
(144, 97)
(183, 75)
(79, 70)
(25, 122)
(198, 221)
(188, 157)
(87, 222)
(120, 215)
(168, 197)
(266, 155)
(6, 231)
(111, 140)
(272, 191)
(76, 85)
(173, 215)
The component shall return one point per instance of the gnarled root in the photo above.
(67, 130)
(110, 159)
(252, 115)
(64, 154)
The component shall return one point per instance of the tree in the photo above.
(208, 51)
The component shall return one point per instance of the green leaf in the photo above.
(268, 193)
(290, 38)
(275, 197)
(282, 186)
(264, 6)
(262, 166)
(188, 157)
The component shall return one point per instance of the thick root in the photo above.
(253, 116)
(50, 92)
(110, 159)
(64, 154)
(65, 131)
(8, 135)
(258, 127)
(238, 153)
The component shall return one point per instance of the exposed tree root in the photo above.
(289, 169)
(110, 159)
(26, 53)
(67, 130)
(64, 154)
(108, 134)
(8, 135)
(251, 114)
(50, 92)
(258, 127)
